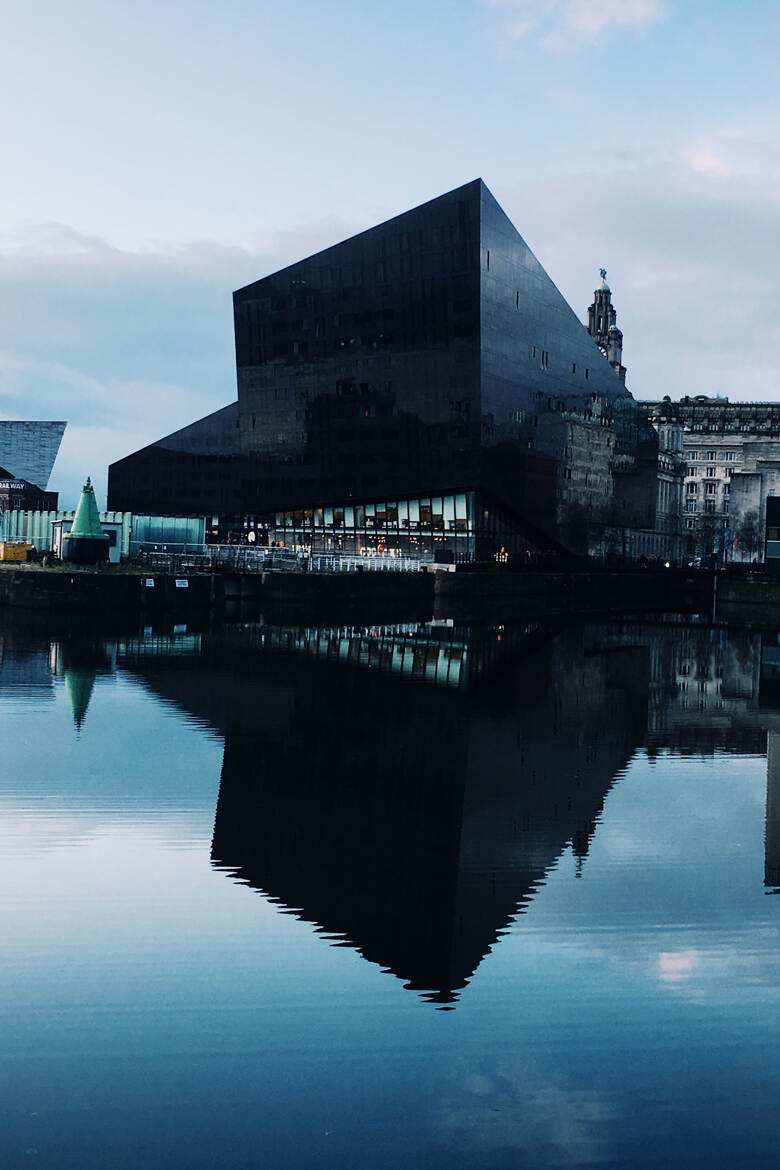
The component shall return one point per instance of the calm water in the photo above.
(404, 896)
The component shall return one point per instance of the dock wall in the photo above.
(441, 594)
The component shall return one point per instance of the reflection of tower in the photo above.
(80, 661)
(602, 326)
(772, 832)
(79, 685)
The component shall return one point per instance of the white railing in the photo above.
(337, 563)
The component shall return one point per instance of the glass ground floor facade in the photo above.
(456, 527)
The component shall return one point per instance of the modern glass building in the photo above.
(28, 449)
(389, 393)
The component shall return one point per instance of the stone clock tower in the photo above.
(602, 326)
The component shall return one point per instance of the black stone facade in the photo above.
(411, 361)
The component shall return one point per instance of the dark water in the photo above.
(414, 896)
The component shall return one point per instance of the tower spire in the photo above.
(603, 328)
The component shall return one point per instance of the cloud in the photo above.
(691, 241)
(569, 24)
(517, 1108)
(674, 966)
(125, 345)
(734, 162)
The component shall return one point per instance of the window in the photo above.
(691, 471)
(729, 472)
(728, 456)
(727, 489)
(711, 454)
(691, 489)
(690, 507)
(711, 472)
(709, 505)
(711, 489)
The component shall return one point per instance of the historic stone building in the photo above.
(670, 478)
(655, 533)
(732, 471)
(603, 327)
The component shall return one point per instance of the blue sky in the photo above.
(157, 156)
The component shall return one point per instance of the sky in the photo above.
(158, 155)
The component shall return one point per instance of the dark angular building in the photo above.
(389, 396)
(21, 495)
(193, 472)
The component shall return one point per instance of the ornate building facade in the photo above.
(732, 474)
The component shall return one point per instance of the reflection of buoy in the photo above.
(79, 684)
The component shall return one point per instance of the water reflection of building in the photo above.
(705, 690)
(24, 663)
(718, 690)
(407, 789)
(772, 832)
(408, 815)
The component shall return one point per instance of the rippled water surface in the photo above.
(419, 895)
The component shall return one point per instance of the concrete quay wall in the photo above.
(734, 591)
(100, 592)
(534, 593)
(459, 595)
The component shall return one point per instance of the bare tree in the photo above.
(748, 534)
(705, 528)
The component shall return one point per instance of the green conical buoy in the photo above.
(86, 522)
(86, 543)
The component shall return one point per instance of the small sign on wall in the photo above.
(149, 582)
(182, 583)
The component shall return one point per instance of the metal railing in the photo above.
(339, 563)
(244, 559)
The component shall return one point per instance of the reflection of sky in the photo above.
(629, 1017)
